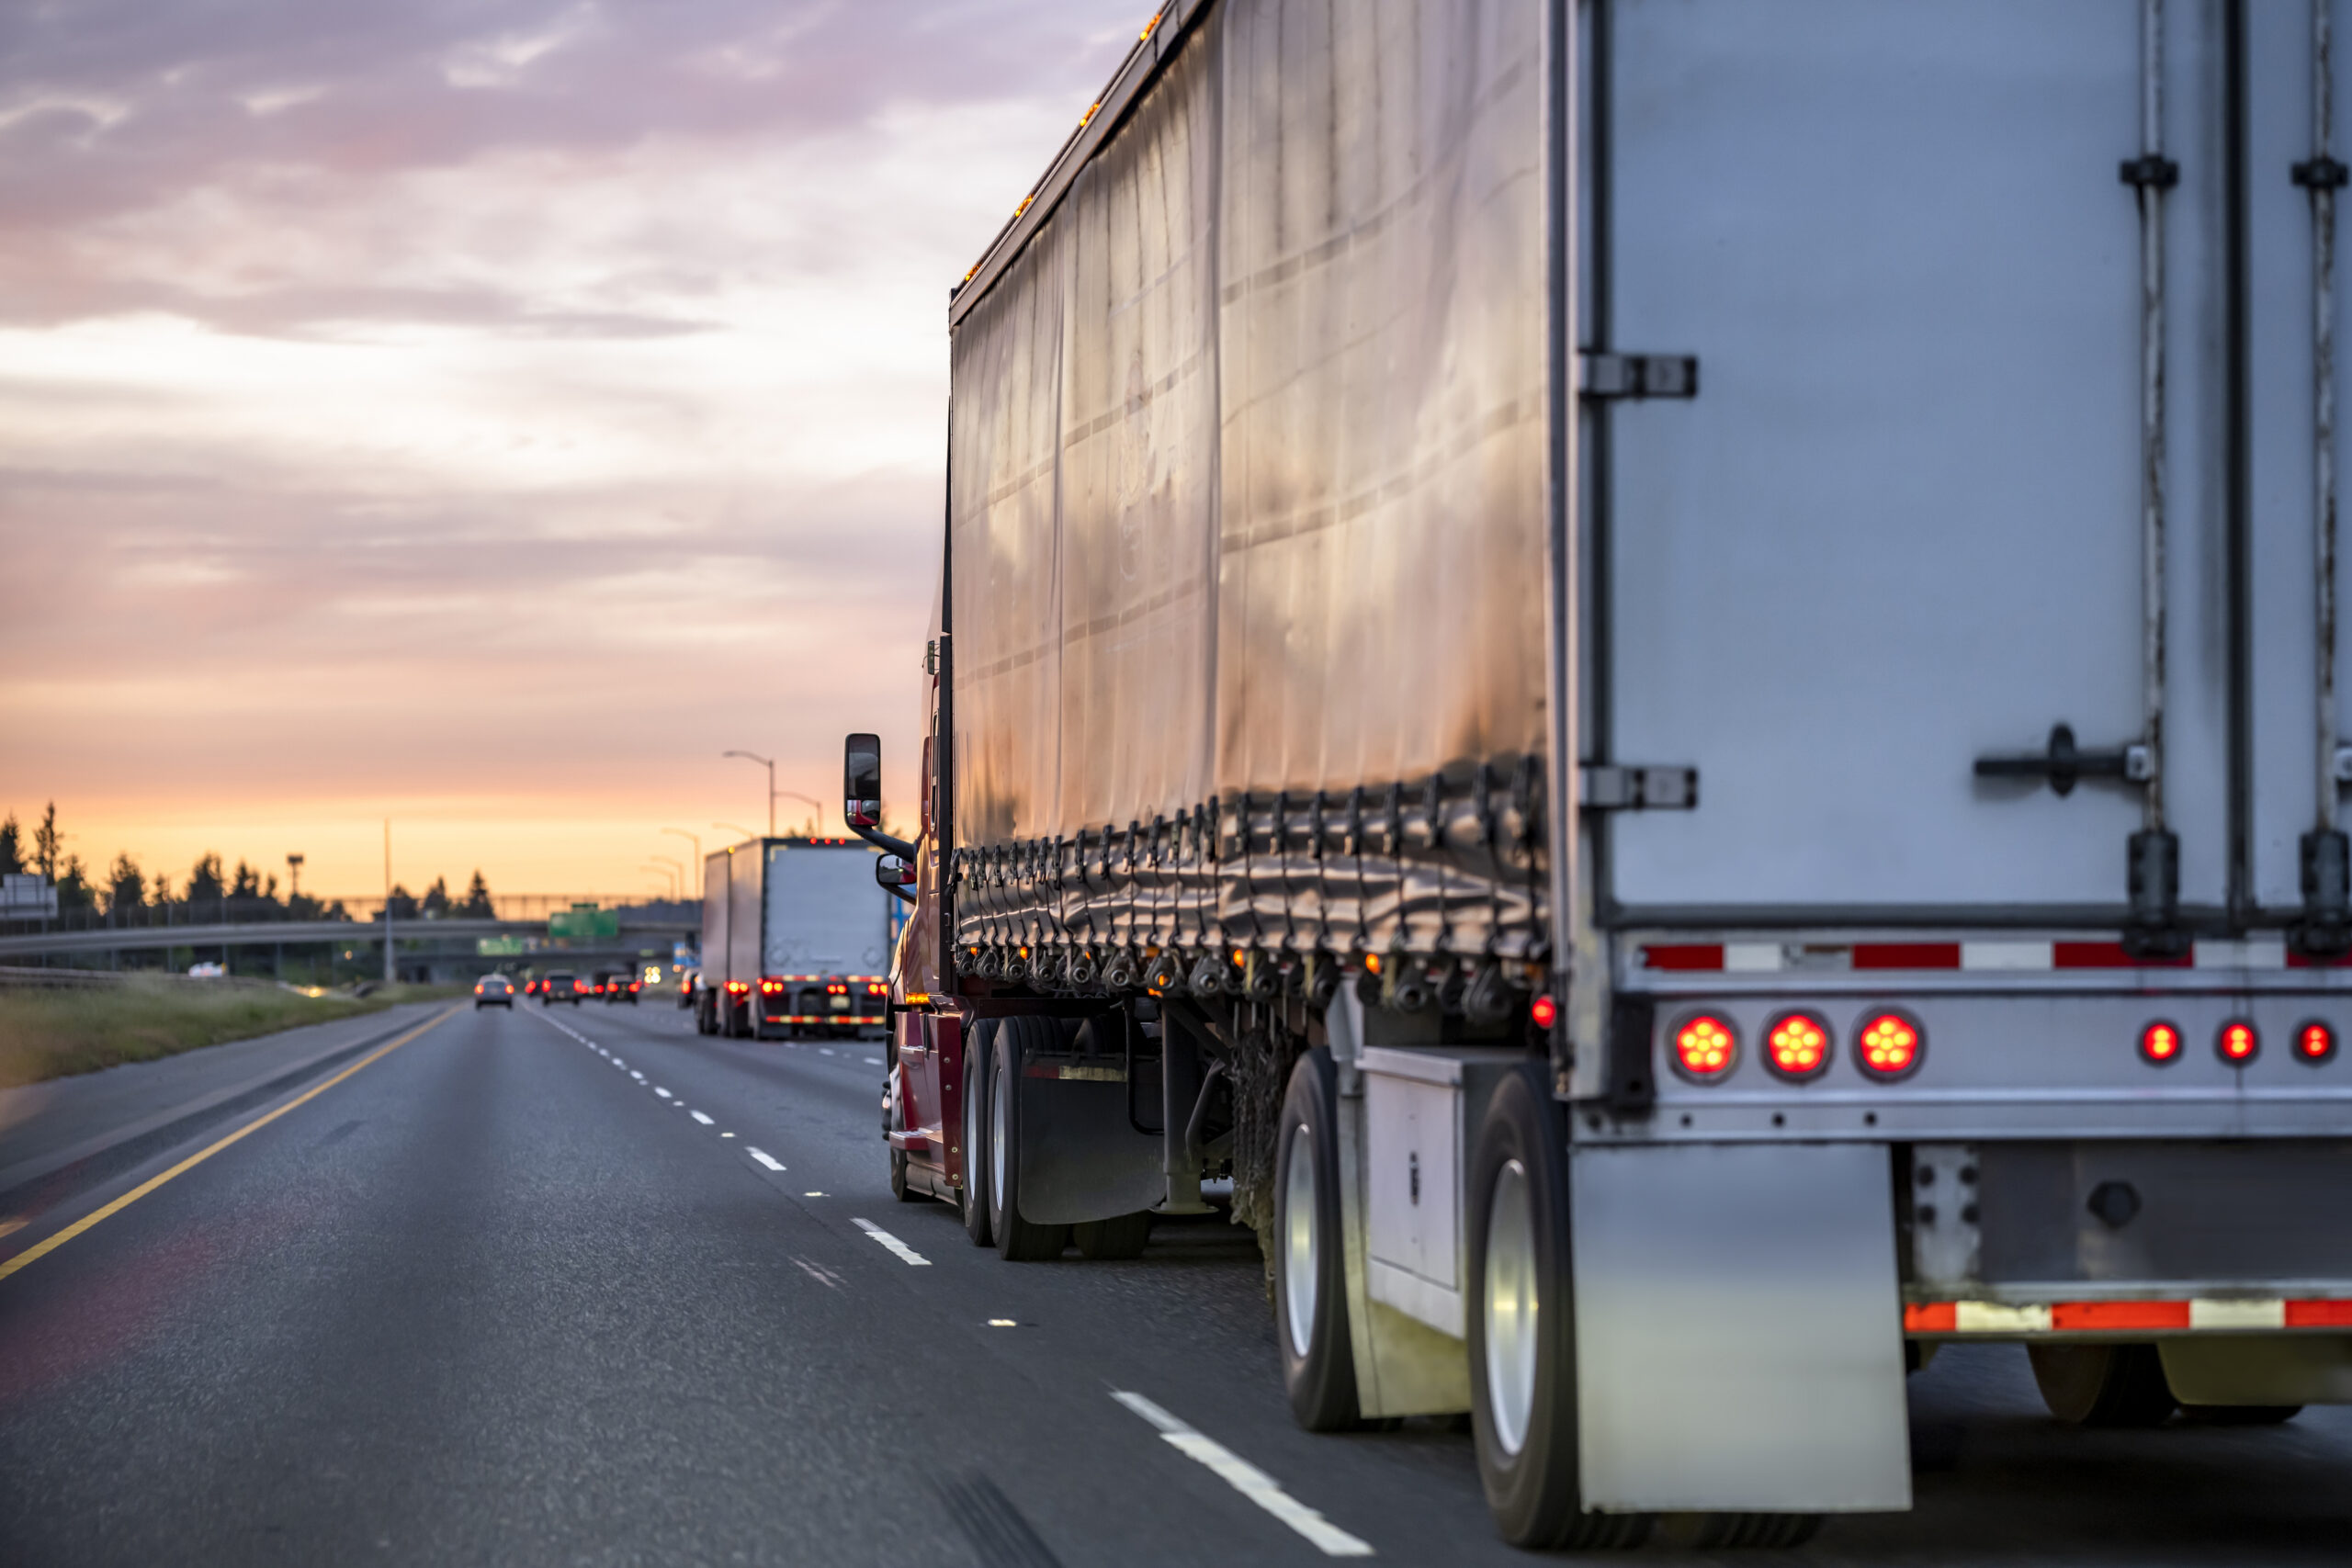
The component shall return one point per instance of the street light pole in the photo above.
(769, 763)
(388, 900)
(811, 799)
(678, 890)
(696, 843)
(668, 876)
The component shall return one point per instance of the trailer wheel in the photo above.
(2239, 1414)
(1523, 1388)
(2102, 1385)
(1017, 1240)
(976, 1132)
(1310, 1265)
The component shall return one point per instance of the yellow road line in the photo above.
(43, 1248)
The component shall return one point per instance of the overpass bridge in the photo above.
(422, 942)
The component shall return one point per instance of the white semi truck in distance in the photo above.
(796, 937)
(1668, 672)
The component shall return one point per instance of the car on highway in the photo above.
(560, 986)
(622, 989)
(494, 991)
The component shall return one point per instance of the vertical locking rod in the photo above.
(2327, 899)
(2154, 859)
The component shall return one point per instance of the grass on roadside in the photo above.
(48, 1034)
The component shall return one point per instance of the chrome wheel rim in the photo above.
(1511, 1306)
(996, 1130)
(1300, 1244)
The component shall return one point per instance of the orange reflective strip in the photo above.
(2319, 1315)
(2097, 1316)
(1930, 1317)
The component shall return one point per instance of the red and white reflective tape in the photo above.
(1768, 957)
(2217, 1312)
(823, 1018)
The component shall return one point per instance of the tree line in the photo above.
(126, 889)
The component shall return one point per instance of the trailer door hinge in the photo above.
(1608, 787)
(1640, 374)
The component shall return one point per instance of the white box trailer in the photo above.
(1672, 663)
(796, 935)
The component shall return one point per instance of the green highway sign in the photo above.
(499, 946)
(584, 920)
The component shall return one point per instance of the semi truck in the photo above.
(796, 937)
(1666, 673)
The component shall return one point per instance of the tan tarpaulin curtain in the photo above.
(1247, 457)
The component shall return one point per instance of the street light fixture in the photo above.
(769, 763)
(696, 843)
(668, 877)
(735, 828)
(665, 860)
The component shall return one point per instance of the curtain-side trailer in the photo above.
(1668, 672)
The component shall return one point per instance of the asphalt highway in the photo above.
(583, 1287)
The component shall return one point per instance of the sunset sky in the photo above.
(485, 415)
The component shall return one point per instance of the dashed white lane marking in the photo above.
(701, 1118)
(873, 1061)
(764, 1158)
(824, 1050)
(726, 1134)
(906, 1253)
(817, 1272)
(1248, 1480)
(662, 1092)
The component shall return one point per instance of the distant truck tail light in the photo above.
(2159, 1043)
(2314, 1042)
(2238, 1042)
(1797, 1045)
(738, 987)
(1890, 1045)
(1704, 1048)
(1545, 1011)
(771, 987)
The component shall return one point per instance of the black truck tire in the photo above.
(1310, 1253)
(1115, 1240)
(975, 1132)
(2103, 1385)
(1522, 1344)
(1017, 1240)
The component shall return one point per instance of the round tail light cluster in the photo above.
(1890, 1044)
(1798, 1046)
(2160, 1043)
(2314, 1042)
(2238, 1044)
(1704, 1048)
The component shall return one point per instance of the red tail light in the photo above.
(2159, 1043)
(1797, 1045)
(738, 987)
(2314, 1042)
(2238, 1043)
(1543, 1011)
(1891, 1043)
(1704, 1048)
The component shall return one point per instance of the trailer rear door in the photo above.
(1899, 527)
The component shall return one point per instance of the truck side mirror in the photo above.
(862, 781)
(896, 874)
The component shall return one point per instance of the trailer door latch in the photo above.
(1640, 374)
(1607, 787)
(2065, 763)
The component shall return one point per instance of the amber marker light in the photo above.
(1797, 1045)
(1704, 1048)
(2314, 1042)
(2159, 1044)
(1890, 1045)
(2238, 1043)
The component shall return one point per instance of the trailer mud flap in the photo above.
(1080, 1158)
(1738, 1328)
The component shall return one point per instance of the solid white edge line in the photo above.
(1247, 1479)
(701, 1118)
(906, 1253)
(764, 1158)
